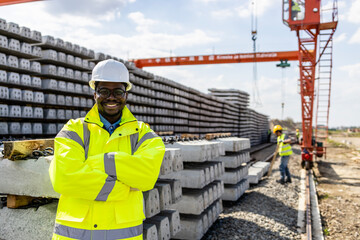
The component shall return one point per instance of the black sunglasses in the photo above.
(105, 92)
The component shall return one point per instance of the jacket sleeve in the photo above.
(72, 176)
(141, 169)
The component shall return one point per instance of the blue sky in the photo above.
(158, 28)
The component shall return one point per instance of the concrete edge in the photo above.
(315, 211)
(301, 207)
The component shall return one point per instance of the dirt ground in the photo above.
(338, 178)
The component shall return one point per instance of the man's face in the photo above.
(278, 133)
(110, 100)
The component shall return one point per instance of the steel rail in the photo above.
(308, 207)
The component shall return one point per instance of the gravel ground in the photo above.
(267, 210)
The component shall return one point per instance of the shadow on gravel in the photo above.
(325, 168)
(354, 184)
(230, 228)
(296, 151)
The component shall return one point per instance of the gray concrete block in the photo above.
(192, 202)
(234, 191)
(254, 175)
(28, 223)
(174, 220)
(191, 228)
(162, 226)
(234, 144)
(164, 194)
(206, 198)
(190, 178)
(263, 165)
(231, 193)
(220, 187)
(231, 161)
(206, 223)
(152, 202)
(167, 163)
(150, 231)
(176, 190)
(28, 177)
(198, 151)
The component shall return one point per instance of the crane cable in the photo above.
(256, 94)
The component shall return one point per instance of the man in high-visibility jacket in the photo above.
(297, 135)
(285, 151)
(103, 163)
(295, 9)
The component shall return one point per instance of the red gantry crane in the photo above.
(8, 2)
(314, 28)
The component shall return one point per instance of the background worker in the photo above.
(297, 136)
(285, 151)
(103, 163)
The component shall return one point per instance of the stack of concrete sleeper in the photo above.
(201, 187)
(236, 167)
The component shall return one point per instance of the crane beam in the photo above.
(218, 58)
(8, 2)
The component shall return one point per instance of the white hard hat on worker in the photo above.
(110, 71)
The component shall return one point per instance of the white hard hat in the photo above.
(110, 71)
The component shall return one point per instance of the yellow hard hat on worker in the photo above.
(277, 128)
(297, 130)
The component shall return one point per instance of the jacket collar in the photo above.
(93, 116)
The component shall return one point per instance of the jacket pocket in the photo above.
(72, 209)
(132, 210)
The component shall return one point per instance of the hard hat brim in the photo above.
(92, 83)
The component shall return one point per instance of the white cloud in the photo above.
(245, 9)
(353, 70)
(223, 13)
(340, 38)
(207, 1)
(353, 12)
(89, 8)
(143, 24)
(356, 37)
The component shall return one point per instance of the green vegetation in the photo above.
(337, 144)
(326, 232)
(356, 134)
(323, 196)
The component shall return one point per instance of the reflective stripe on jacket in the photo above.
(284, 148)
(101, 177)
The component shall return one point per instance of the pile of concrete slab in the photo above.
(201, 185)
(253, 125)
(162, 220)
(257, 171)
(236, 167)
(44, 79)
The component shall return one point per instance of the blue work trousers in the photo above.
(284, 170)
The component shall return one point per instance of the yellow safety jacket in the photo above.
(101, 177)
(295, 7)
(284, 148)
(297, 134)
